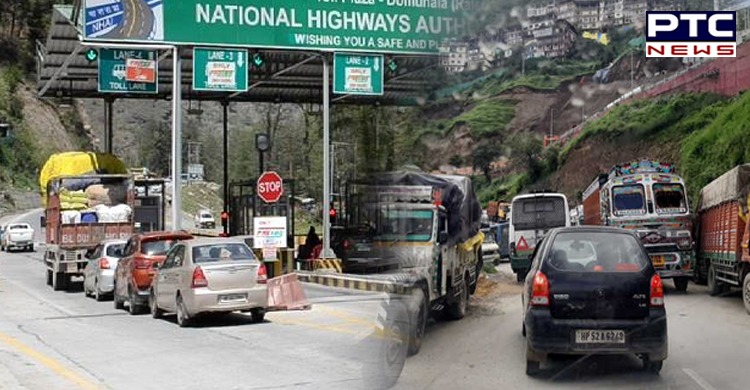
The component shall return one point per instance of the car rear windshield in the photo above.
(539, 213)
(222, 252)
(206, 215)
(115, 250)
(157, 247)
(596, 252)
(19, 227)
(629, 200)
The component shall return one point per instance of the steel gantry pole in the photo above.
(176, 139)
(326, 162)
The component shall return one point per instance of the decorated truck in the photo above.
(88, 197)
(648, 197)
(423, 231)
(722, 233)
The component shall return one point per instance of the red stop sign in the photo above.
(270, 187)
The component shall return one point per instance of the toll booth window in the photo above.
(670, 198)
(628, 200)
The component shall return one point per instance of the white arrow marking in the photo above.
(240, 59)
(377, 64)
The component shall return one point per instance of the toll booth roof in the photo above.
(287, 76)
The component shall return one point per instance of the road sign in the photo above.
(113, 71)
(219, 70)
(92, 54)
(269, 232)
(358, 74)
(270, 187)
(387, 26)
(140, 71)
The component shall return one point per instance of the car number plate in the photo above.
(658, 261)
(600, 336)
(232, 298)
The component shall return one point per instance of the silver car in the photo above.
(211, 275)
(99, 274)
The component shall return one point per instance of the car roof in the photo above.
(213, 241)
(113, 241)
(160, 234)
(590, 229)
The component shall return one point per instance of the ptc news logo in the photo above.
(691, 34)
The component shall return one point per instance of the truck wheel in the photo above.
(419, 322)
(746, 292)
(714, 286)
(520, 276)
(456, 310)
(59, 281)
(391, 349)
(681, 284)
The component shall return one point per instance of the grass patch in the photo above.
(500, 188)
(489, 269)
(720, 146)
(487, 118)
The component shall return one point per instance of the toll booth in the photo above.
(150, 204)
(244, 205)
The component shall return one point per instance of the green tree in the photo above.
(483, 156)
(525, 152)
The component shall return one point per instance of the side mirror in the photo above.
(156, 265)
(442, 237)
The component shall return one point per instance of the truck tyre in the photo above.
(392, 346)
(456, 309)
(419, 321)
(714, 286)
(520, 276)
(746, 292)
(681, 284)
(59, 281)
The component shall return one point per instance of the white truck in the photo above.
(18, 236)
(423, 234)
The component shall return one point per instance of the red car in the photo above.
(135, 270)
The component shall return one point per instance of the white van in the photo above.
(531, 217)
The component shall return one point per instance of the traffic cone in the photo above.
(285, 292)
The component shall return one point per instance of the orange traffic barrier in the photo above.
(285, 293)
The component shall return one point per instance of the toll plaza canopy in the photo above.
(293, 76)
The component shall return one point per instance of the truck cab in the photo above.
(649, 198)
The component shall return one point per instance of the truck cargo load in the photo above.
(723, 259)
(77, 164)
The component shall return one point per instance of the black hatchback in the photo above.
(593, 290)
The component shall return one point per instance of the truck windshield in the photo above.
(628, 200)
(539, 213)
(408, 225)
(669, 198)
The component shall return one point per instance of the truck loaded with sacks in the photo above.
(88, 197)
(723, 235)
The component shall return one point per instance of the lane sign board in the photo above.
(113, 71)
(219, 70)
(358, 74)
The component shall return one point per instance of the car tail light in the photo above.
(657, 291)
(103, 263)
(540, 290)
(142, 264)
(347, 245)
(262, 275)
(199, 278)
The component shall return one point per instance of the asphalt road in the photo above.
(57, 340)
(137, 23)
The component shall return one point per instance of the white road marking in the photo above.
(698, 379)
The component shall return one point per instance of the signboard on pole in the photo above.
(116, 76)
(269, 232)
(270, 187)
(358, 74)
(219, 70)
(386, 26)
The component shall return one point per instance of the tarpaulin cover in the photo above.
(731, 186)
(78, 163)
(457, 196)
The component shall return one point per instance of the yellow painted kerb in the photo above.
(48, 362)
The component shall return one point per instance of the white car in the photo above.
(18, 236)
(99, 274)
(205, 220)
